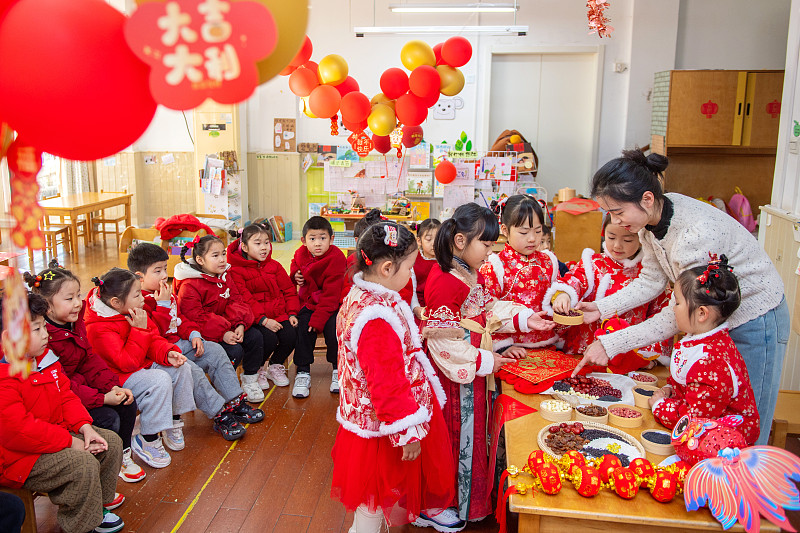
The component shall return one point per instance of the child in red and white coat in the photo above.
(522, 274)
(426, 259)
(391, 457)
(708, 377)
(598, 275)
(459, 343)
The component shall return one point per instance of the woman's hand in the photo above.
(595, 354)
(198, 346)
(537, 322)
(590, 311)
(411, 451)
(229, 337)
(272, 325)
(517, 352)
(500, 360)
(562, 303)
(293, 321)
(138, 318)
(176, 359)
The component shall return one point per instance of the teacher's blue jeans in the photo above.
(762, 343)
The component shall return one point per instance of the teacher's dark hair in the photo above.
(627, 178)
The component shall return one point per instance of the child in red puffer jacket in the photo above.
(265, 286)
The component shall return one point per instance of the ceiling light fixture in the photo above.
(361, 31)
(454, 8)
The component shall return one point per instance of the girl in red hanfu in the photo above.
(708, 377)
(462, 315)
(599, 275)
(391, 458)
(426, 236)
(522, 274)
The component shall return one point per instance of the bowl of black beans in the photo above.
(657, 441)
(642, 395)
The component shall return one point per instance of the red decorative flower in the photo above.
(462, 374)
(444, 355)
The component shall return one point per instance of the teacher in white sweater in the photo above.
(678, 233)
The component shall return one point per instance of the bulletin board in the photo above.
(285, 132)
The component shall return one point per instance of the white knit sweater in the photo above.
(695, 230)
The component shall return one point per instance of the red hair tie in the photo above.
(367, 260)
(194, 241)
(715, 264)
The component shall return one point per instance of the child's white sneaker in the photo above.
(130, 471)
(152, 453)
(263, 380)
(173, 438)
(302, 385)
(111, 523)
(335, 382)
(277, 373)
(252, 389)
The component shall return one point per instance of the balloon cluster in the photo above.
(326, 89)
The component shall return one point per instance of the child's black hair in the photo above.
(317, 223)
(250, 231)
(116, 283)
(37, 306)
(199, 249)
(372, 246)
(711, 287)
(49, 281)
(627, 178)
(519, 209)
(373, 217)
(429, 224)
(547, 231)
(473, 221)
(145, 254)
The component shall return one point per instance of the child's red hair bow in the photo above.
(194, 241)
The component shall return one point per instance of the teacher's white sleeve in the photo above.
(650, 283)
(655, 329)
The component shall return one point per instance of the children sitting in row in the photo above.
(47, 442)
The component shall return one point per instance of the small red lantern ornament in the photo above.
(24, 162)
(607, 466)
(624, 482)
(663, 486)
(587, 481)
(571, 461)
(680, 469)
(709, 109)
(774, 108)
(643, 469)
(536, 458)
(549, 478)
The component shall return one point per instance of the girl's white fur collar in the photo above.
(701, 336)
(626, 263)
(375, 288)
(101, 308)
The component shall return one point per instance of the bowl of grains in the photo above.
(625, 416)
(644, 378)
(572, 318)
(555, 410)
(642, 395)
(591, 413)
(658, 442)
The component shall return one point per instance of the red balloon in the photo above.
(445, 172)
(456, 51)
(354, 126)
(394, 83)
(437, 51)
(324, 101)
(383, 144)
(347, 86)
(412, 136)
(355, 107)
(288, 70)
(411, 110)
(86, 95)
(303, 81)
(304, 54)
(430, 100)
(424, 81)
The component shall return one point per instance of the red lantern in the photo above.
(572, 460)
(437, 51)
(394, 83)
(303, 81)
(456, 51)
(774, 108)
(587, 481)
(382, 143)
(411, 110)
(709, 109)
(355, 107)
(84, 78)
(349, 85)
(625, 484)
(549, 476)
(445, 173)
(643, 469)
(536, 457)
(664, 486)
(324, 101)
(680, 469)
(424, 81)
(607, 466)
(412, 136)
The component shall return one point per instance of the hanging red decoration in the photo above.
(598, 23)
(361, 143)
(709, 109)
(24, 162)
(774, 108)
(335, 125)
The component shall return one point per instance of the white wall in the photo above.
(168, 132)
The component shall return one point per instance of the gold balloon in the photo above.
(382, 120)
(381, 98)
(305, 108)
(452, 80)
(417, 53)
(291, 18)
(332, 69)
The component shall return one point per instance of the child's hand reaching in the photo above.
(114, 397)
(229, 337)
(199, 348)
(162, 294)
(239, 333)
(272, 325)
(537, 322)
(92, 441)
(293, 321)
(176, 359)
(298, 278)
(517, 352)
(660, 394)
(419, 312)
(138, 318)
(500, 360)
(562, 303)
(411, 451)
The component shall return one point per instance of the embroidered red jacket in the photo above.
(709, 380)
(422, 269)
(322, 288)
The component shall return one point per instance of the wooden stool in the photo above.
(53, 236)
(29, 526)
(787, 417)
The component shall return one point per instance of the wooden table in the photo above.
(569, 512)
(85, 203)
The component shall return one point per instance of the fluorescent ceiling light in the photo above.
(360, 31)
(453, 8)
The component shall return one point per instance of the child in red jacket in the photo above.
(426, 236)
(208, 297)
(145, 362)
(47, 442)
(111, 406)
(318, 268)
(264, 285)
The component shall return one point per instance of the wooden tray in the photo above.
(590, 425)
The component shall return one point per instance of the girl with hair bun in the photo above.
(677, 233)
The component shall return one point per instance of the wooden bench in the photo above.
(787, 417)
(27, 497)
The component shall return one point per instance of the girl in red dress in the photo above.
(391, 458)
(462, 317)
(522, 274)
(708, 377)
(426, 236)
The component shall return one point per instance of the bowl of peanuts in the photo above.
(625, 416)
(555, 410)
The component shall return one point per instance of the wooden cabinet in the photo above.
(762, 109)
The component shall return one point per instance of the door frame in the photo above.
(485, 85)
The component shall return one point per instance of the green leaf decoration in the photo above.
(459, 145)
(469, 146)
(463, 136)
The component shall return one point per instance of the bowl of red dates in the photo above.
(572, 318)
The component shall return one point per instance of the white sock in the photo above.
(365, 521)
